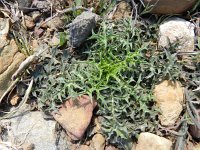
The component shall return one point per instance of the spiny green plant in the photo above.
(117, 73)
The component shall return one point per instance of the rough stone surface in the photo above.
(49, 5)
(170, 98)
(55, 23)
(41, 132)
(81, 28)
(29, 22)
(84, 147)
(99, 142)
(24, 3)
(152, 142)
(10, 59)
(177, 30)
(123, 10)
(4, 29)
(134, 146)
(170, 6)
(111, 147)
(75, 116)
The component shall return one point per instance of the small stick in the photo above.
(9, 88)
(26, 63)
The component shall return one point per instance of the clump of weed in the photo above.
(122, 67)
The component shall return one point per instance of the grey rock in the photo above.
(24, 3)
(82, 27)
(36, 129)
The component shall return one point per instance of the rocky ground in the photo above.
(35, 111)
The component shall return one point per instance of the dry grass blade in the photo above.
(9, 89)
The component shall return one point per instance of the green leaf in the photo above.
(63, 38)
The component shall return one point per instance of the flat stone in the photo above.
(169, 6)
(41, 133)
(170, 99)
(75, 116)
(149, 141)
(177, 30)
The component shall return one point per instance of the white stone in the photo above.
(149, 141)
(39, 131)
(177, 30)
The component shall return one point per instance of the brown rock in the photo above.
(14, 100)
(111, 147)
(196, 147)
(29, 22)
(149, 141)
(38, 32)
(84, 147)
(55, 23)
(97, 125)
(170, 98)
(75, 116)
(190, 146)
(134, 146)
(10, 60)
(34, 45)
(28, 146)
(123, 10)
(170, 6)
(99, 142)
